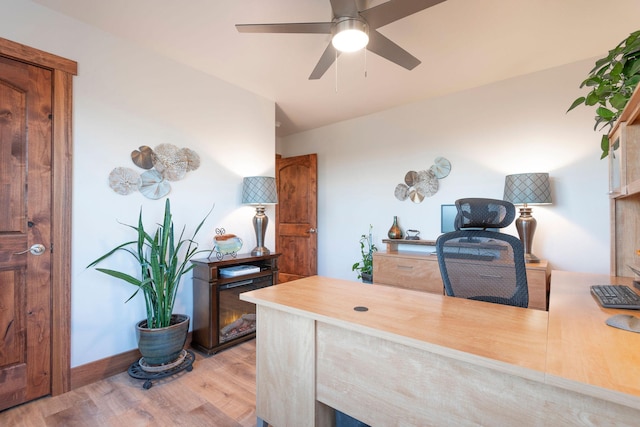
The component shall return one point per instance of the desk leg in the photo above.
(285, 368)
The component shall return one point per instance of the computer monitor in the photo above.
(447, 218)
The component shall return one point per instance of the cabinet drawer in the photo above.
(537, 279)
(417, 273)
(479, 276)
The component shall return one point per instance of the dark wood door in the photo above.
(297, 217)
(25, 221)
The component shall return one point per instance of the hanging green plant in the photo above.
(612, 81)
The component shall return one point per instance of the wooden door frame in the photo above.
(277, 218)
(63, 71)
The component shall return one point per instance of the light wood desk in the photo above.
(416, 358)
(584, 354)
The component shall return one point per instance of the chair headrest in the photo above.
(484, 213)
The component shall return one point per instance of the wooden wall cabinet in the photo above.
(624, 189)
(420, 271)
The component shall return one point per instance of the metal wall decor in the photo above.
(424, 183)
(162, 164)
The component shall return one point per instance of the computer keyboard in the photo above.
(616, 296)
(462, 255)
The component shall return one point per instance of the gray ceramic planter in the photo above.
(160, 346)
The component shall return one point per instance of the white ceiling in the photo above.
(461, 43)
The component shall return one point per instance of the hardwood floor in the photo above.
(219, 391)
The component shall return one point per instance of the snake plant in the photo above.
(162, 260)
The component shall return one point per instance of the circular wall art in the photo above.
(162, 164)
(143, 157)
(123, 180)
(411, 178)
(419, 185)
(428, 183)
(153, 185)
(441, 167)
(415, 196)
(401, 192)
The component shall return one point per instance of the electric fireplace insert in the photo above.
(220, 318)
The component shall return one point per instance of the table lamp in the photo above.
(527, 189)
(259, 191)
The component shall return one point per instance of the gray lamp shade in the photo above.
(527, 189)
(259, 190)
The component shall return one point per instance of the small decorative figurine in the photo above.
(225, 244)
(412, 235)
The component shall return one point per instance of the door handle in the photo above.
(37, 249)
(312, 230)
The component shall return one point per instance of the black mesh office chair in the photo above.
(479, 263)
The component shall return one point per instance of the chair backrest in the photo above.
(484, 213)
(479, 264)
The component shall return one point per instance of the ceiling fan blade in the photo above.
(344, 8)
(324, 63)
(386, 13)
(384, 47)
(300, 27)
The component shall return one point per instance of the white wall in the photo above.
(125, 97)
(514, 126)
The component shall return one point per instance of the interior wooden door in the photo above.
(297, 217)
(25, 223)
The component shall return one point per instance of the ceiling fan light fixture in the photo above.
(350, 35)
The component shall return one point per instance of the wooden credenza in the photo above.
(419, 271)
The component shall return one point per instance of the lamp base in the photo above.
(526, 226)
(531, 258)
(260, 250)
(260, 221)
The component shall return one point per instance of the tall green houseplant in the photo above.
(161, 265)
(612, 82)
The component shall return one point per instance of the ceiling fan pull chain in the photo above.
(365, 62)
(337, 71)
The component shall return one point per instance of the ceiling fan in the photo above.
(348, 22)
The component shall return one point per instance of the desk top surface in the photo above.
(509, 338)
(582, 349)
(570, 346)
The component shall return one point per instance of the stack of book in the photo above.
(239, 270)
